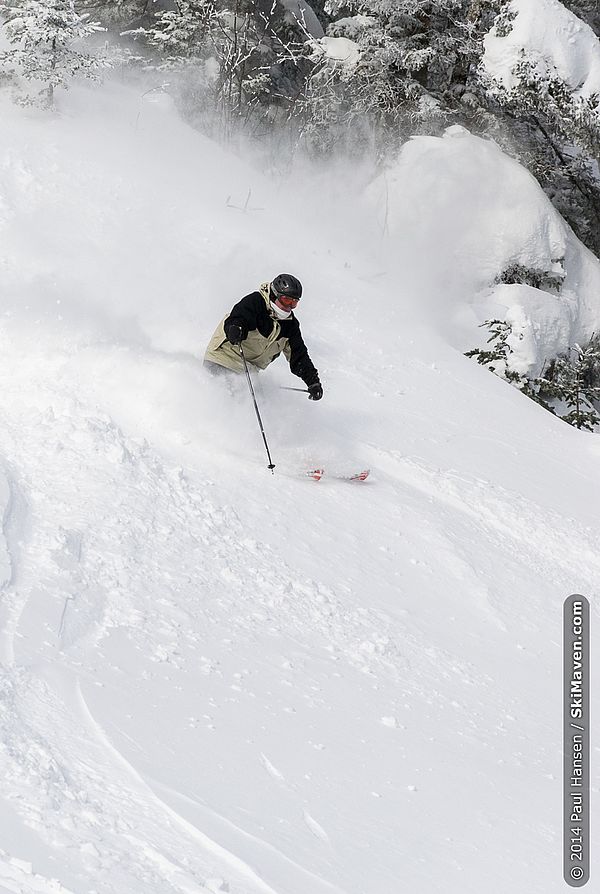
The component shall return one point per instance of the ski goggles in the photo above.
(286, 302)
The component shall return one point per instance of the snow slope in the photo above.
(218, 679)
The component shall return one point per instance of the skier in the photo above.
(264, 326)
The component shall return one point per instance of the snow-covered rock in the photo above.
(458, 214)
(337, 49)
(550, 36)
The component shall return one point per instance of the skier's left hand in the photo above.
(315, 391)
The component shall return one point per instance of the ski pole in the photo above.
(301, 390)
(271, 465)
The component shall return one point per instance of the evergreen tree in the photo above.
(557, 134)
(574, 379)
(570, 388)
(119, 14)
(500, 350)
(46, 40)
(496, 358)
(416, 55)
(235, 57)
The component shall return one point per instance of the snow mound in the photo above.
(463, 219)
(337, 49)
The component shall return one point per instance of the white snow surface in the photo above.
(214, 678)
(558, 43)
(338, 49)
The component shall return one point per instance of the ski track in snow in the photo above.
(72, 779)
(508, 517)
(18, 876)
(88, 589)
(171, 566)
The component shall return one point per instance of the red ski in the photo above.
(317, 474)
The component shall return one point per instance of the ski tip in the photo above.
(361, 476)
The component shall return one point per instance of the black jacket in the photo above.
(252, 313)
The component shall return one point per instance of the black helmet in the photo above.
(287, 286)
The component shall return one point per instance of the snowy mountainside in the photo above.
(217, 679)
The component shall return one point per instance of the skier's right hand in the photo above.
(315, 391)
(235, 334)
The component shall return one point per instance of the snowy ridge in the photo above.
(217, 679)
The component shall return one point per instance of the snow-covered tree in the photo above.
(118, 14)
(46, 44)
(496, 356)
(574, 380)
(413, 68)
(415, 53)
(497, 359)
(183, 33)
(569, 387)
(554, 123)
(231, 56)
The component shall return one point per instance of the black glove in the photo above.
(235, 334)
(315, 391)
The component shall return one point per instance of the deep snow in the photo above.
(214, 678)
